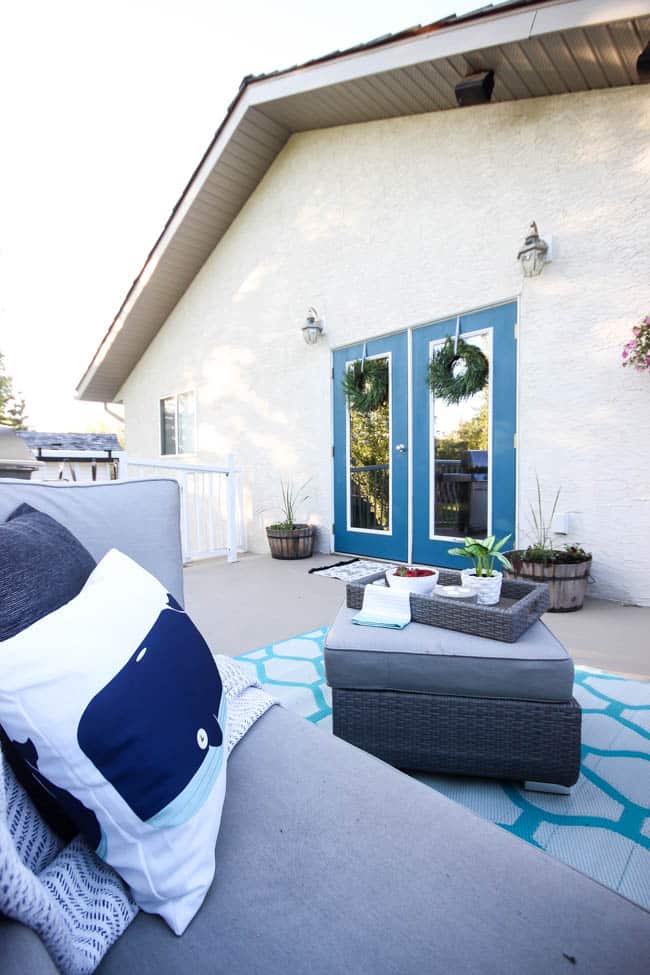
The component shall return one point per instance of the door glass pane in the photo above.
(168, 425)
(186, 423)
(369, 486)
(460, 469)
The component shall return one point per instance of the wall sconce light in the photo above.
(313, 327)
(534, 254)
(476, 89)
(643, 65)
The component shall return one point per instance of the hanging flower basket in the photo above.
(456, 375)
(365, 384)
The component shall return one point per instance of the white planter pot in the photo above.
(487, 588)
(422, 585)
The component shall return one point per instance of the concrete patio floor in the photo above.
(259, 600)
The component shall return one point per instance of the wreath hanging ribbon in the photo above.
(457, 371)
(365, 384)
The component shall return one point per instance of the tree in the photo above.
(370, 447)
(470, 434)
(369, 437)
(12, 405)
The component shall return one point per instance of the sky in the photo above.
(107, 107)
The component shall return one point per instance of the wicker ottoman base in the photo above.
(493, 738)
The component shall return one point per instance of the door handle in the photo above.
(400, 448)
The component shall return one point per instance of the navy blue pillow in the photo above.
(43, 566)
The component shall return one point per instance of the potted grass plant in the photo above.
(287, 538)
(565, 570)
(483, 578)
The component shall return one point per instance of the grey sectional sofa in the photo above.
(327, 859)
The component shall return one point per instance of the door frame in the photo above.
(431, 410)
(393, 347)
(409, 329)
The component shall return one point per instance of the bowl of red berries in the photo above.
(408, 578)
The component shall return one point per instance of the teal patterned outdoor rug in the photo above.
(601, 829)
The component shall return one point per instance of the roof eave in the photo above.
(512, 23)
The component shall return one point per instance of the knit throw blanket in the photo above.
(74, 901)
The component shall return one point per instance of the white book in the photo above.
(383, 606)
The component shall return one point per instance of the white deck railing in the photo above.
(212, 522)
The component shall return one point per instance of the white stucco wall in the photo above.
(394, 223)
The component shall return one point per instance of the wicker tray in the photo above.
(521, 605)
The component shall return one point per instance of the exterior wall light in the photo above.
(534, 254)
(313, 327)
(643, 65)
(476, 89)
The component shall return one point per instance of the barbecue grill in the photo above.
(475, 464)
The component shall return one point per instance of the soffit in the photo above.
(543, 49)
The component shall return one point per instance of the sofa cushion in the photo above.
(116, 703)
(23, 951)
(432, 660)
(43, 567)
(330, 861)
(140, 518)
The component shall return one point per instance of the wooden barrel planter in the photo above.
(567, 581)
(296, 543)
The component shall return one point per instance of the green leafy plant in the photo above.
(575, 553)
(291, 498)
(483, 554)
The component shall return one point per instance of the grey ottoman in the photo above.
(425, 698)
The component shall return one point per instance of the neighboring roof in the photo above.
(14, 454)
(536, 48)
(90, 442)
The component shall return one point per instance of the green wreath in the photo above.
(365, 384)
(469, 376)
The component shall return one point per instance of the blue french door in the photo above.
(412, 499)
(463, 463)
(371, 457)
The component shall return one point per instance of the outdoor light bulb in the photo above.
(529, 264)
(311, 334)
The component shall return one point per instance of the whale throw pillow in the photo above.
(116, 704)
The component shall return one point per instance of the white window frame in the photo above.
(175, 397)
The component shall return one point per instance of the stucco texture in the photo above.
(391, 224)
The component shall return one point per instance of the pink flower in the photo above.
(636, 352)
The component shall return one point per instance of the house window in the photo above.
(177, 424)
